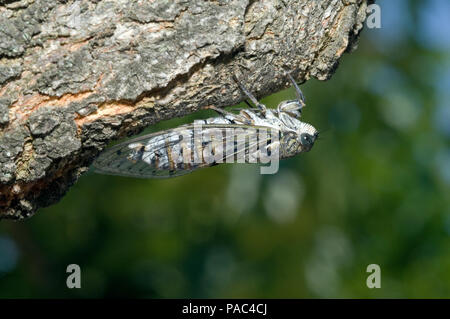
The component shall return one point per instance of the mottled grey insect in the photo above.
(254, 135)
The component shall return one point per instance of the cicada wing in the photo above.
(181, 150)
(128, 158)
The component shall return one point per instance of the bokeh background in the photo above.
(374, 189)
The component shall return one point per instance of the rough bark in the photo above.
(75, 75)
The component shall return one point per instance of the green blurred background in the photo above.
(374, 189)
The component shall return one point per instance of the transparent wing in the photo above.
(184, 149)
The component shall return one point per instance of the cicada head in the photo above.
(307, 135)
(302, 140)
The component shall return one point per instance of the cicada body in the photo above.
(258, 135)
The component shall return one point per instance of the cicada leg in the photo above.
(236, 118)
(298, 92)
(261, 106)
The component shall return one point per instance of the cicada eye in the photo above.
(307, 140)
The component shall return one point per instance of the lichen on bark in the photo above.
(75, 75)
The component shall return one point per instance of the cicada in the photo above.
(253, 135)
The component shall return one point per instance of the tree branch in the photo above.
(75, 75)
